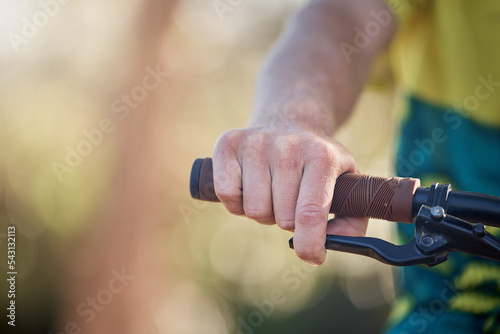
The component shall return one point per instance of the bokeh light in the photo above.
(126, 204)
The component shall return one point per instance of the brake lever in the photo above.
(381, 250)
(435, 238)
(436, 235)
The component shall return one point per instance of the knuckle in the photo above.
(234, 208)
(288, 163)
(268, 221)
(327, 160)
(288, 153)
(256, 143)
(231, 135)
(229, 139)
(228, 196)
(286, 224)
(323, 154)
(310, 214)
(258, 214)
(238, 211)
(287, 143)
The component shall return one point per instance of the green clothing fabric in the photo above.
(445, 56)
(461, 295)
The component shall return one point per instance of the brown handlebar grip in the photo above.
(355, 195)
(359, 195)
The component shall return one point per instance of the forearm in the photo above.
(306, 80)
(283, 167)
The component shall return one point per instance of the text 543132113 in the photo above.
(11, 274)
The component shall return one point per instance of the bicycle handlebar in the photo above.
(439, 216)
(355, 195)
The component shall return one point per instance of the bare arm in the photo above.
(282, 168)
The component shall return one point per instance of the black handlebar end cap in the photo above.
(194, 182)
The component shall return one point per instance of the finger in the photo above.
(227, 173)
(286, 178)
(347, 226)
(257, 196)
(313, 204)
(345, 160)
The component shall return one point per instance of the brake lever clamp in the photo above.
(436, 235)
(436, 232)
(439, 233)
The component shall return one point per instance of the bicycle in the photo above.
(442, 217)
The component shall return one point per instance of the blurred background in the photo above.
(103, 108)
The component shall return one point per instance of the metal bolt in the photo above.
(437, 212)
(479, 230)
(427, 241)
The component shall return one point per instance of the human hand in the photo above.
(285, 176)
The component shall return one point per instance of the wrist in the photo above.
(298, 113)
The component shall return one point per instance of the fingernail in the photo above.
(313, 263)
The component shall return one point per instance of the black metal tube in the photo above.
(473, 207)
